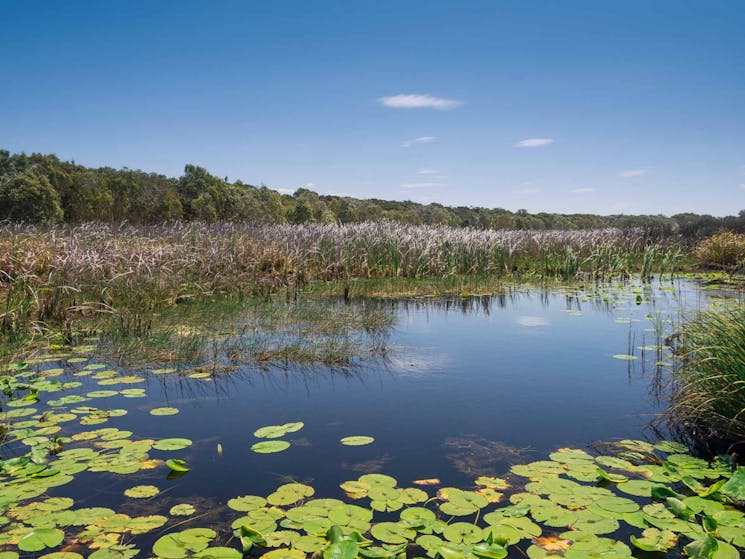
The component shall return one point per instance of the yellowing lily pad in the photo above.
(357, 440)
(142, 491)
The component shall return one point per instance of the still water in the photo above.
(469, 387)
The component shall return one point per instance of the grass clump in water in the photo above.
(709, 391)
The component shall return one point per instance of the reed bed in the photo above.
(54, 277)
(709, 389)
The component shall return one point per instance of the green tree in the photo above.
(30, 198)
(302, 212)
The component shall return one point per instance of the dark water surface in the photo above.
(470, 386)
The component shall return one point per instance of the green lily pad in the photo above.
(142, 491)
(290, 493)
(184, 509)
(462, 532)
(392, 532)
(276, 431)
(171, 444)
(177, 465)
(269, 447)
(655, 540)
(284, 554)
(182, 544)
(246, 503)
(41, 538)
(164, 411)
(357, 440)
(735, 487)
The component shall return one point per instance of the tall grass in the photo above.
(709, 389)
(59, 276)
(724, 250)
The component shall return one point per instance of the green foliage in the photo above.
(29, 198)
(116, 195)
(710, 386)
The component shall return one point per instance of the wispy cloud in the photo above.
(632, 173)
(427, 172)
(532, 321)
(583, 190)
(414, 101)
(309, 185)
(420, 140)
(286, 190)
(534, 142)
(526, 191)
(410, 185)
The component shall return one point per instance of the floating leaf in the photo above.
(268, 447)
(246, 503)
(183, 509)
(164, 411)
(392, 532)
(655, 540)
(276, 431)
(142, 491)
(171, 444)
(41, 538)
(357, 440)
(284, 554)
(735, 487)
(177, 465)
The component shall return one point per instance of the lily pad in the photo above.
(276, 431)
(164, 411)
(41, 538)
(171, 444)
(357, 440)
(142, 491)
(269, 447)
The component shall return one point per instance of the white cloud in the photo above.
(526, 191)
(409, 185)
(583, 190)
(420, 140)
(427, 172)
(413, 101)
(534, 143)
(742, 186)
(286, 190)
(309, 185)
(532, 321)
(633, 173)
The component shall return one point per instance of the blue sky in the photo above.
(608, 107)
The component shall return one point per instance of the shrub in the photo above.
(724, 249)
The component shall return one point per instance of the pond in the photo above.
(468, 387)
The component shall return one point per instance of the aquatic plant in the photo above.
(709, 387)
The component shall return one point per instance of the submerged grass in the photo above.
(709, 389)
(260, 332)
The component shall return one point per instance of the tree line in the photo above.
(42, 189)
